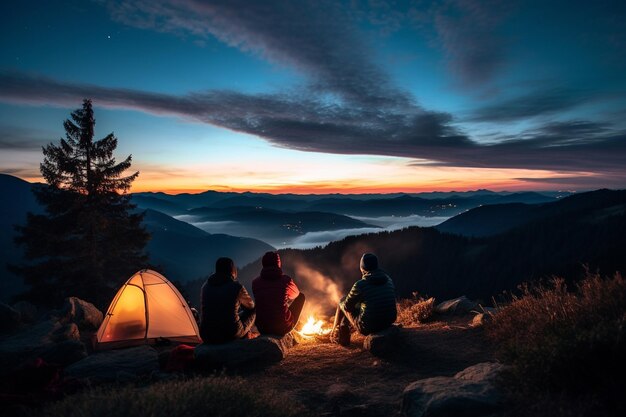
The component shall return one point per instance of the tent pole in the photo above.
(145, 303)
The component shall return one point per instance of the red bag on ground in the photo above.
(181, 359)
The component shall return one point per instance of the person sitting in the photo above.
(278, 300)
(227, 311)
(369, 307)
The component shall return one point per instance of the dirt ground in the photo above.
(333, 380)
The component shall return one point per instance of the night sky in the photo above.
(317, 96)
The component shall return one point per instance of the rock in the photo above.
(243, 353)
(64, 353)
(116, 365)
(84, 314)
(461, 305)
(50, 340)
(32, 336)
(67, 331)
(29, 342)
(360, 410)
(339, 391)
(10, 318)
(28, 311)
(480, 319)
(382, 343)
(470, 393)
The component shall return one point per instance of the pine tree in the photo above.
(90, 238)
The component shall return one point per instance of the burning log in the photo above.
(315, 329)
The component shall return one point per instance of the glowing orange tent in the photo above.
(147, 307)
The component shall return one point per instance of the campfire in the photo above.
(315, 328)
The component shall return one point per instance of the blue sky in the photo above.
(325, 96)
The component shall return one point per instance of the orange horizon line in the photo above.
(327, 190)
(317, 191)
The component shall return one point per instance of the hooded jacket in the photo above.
(372, 302)
(274, 292)
(222, 296)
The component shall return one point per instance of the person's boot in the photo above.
(343, 337)
(340, 335)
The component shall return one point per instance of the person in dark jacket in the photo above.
(369, 307)
(278, 300)
(228, 311)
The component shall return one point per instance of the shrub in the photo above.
(565, 344)
(415, 310)
(213, 396)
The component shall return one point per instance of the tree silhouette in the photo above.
(90, 238)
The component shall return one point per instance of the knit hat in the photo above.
(369, 262)
(224, 266)
(271, 259)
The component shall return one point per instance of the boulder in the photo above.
(383, 343)
(10, 318)
(64, 353)
(28, 343)
(461, 305)
(340, 392)
(65, 332)
(116, 365)
(28, 311)
(480, 319)
(470, 393)
(244, 353)
(84, 314)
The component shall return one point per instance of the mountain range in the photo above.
(303, 221)
(179, 250)
(524, 243)
(495, 241)
(427, 204)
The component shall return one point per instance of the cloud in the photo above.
(399, 222)
(15, 138)
(21, 172)
(309, 124)
(312, 239)
(541, 102)
(613, 180)
(317, 38)
(468, 31)
(387, 223)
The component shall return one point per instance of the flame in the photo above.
(314, 327)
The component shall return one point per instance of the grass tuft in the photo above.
(415, 310)
(212, 396)
(565, 346)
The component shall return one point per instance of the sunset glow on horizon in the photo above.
(295, 172)
(458, 180)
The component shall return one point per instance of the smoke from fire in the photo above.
(322, 292)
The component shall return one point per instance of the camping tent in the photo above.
(147, 307)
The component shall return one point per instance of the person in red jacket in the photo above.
(278, 300)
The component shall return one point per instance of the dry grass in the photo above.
(415, 310)
(566, 344)
(213, 396)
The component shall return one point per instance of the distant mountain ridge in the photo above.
(17, 201)
(498, 218)
(185, 252)
(398, 204)
(559, 239)
(181, 251)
